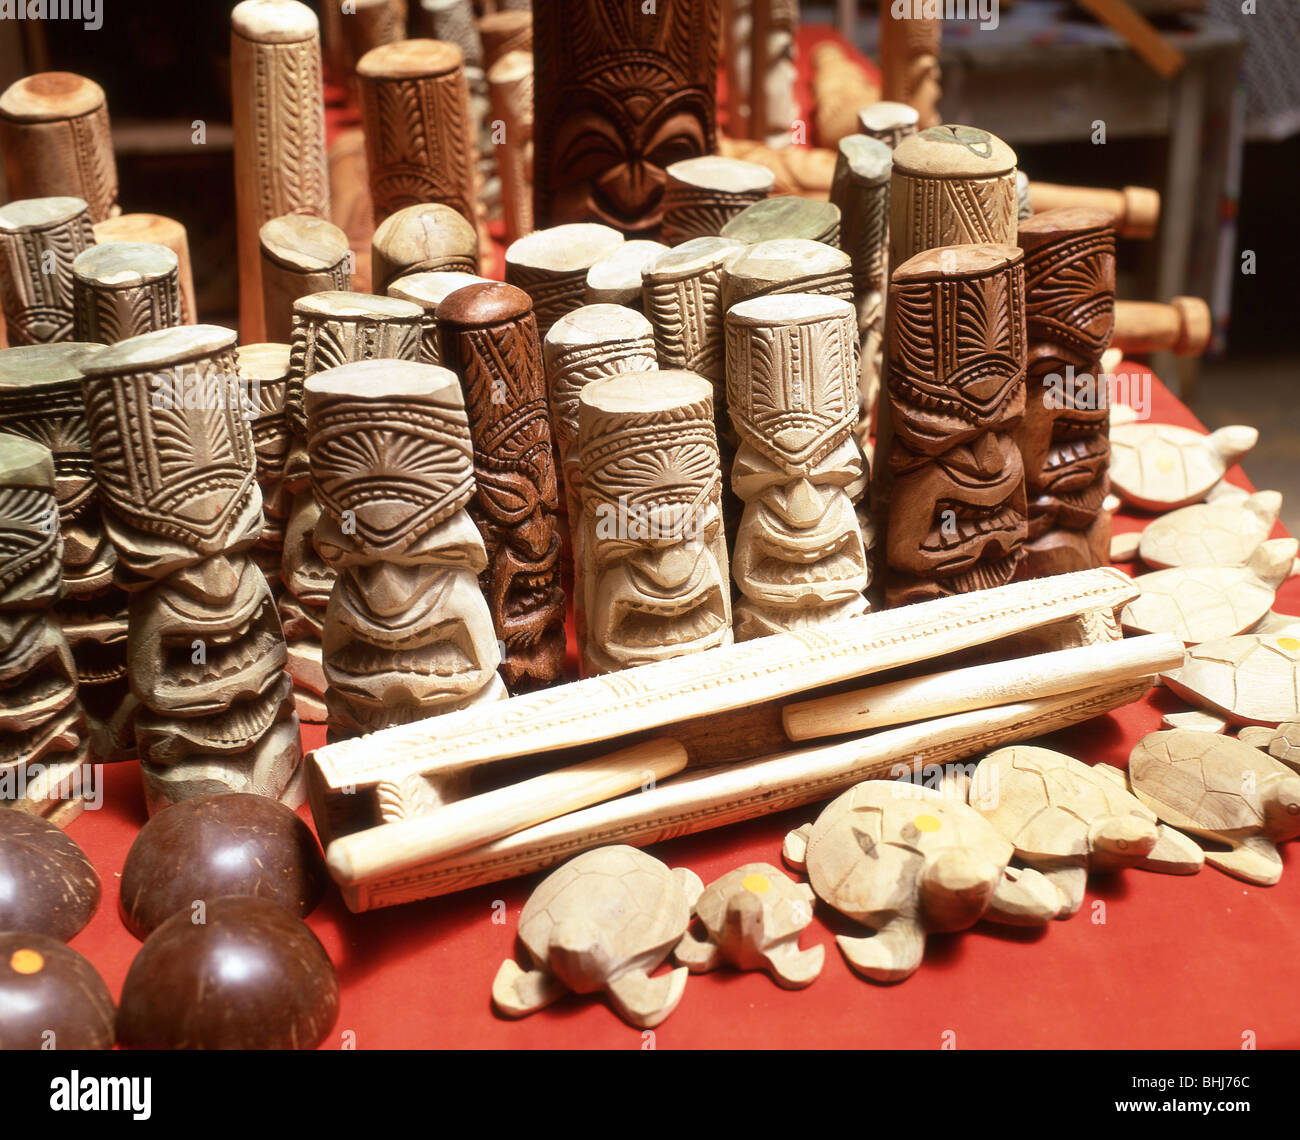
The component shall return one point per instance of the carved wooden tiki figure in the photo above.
(654, 553)
(956, 386)
(40, 238)
(488, 336)
(1070, 314)
(173, 453)
(621, 94)
(792, 393)
(40, 398)
(407, 632)
(264, 370)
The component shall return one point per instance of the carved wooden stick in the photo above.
(407, 634)
(616, 278)
(160, 231)
(1135, 209)
(510, 88)
(488, 336)
(1182, 327)
(264, 368)
(429, 238)
(888, 122)
(123, 289)
(791, 392)
(40, 238)
(606, 71)
(429, 290)
(787, 265)
(551, 266)
(301, 255)
(510, 29)
(656, 522)
(909, 63)
(773, 218)
(703, 194)
(278, 112)
(420, 145)
(56, 142)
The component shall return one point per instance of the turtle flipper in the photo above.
(792, 968)
(697, 956)
(644, 1001)
(795, 848)
(517, 993)
(1024, 898)
(1256, 861)
(1069, 883)
(1174, 854)
(892, 954)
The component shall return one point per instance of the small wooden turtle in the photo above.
(753, 917)
(1250, 679)
(1159, 466)
(1225, 533)
(904, 860)
(1285, 744)
(1223, 790)
(1067, 819)
(1205, 603)
(603, 921)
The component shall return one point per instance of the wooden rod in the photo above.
(1182, 327)
(1136, 209)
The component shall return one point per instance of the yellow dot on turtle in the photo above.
(756, 884)
(1165, 463)
(927, 823)
(1288, 643)
(27, 962)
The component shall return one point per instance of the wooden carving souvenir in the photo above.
(907, 861)
(603, 921)
(798, 558)
(785, 217)
(40, 238)
(1282, 744)
(951, 185)
(702, 195)
(1159, 467)
(278, 111)
(620, 96)
(158, 230)
(1210, 534)
(1251, 679)
(951, 474)
(123, 289)
(301, 255)
(802, 172)
(451, 21)
(350, 207)
(752, 919)
(174, 457)
(506, 31)
(407, 633)
(1134, 210)
(616, 278)
(429, 238)
(787, 265)
(759, 60)
(488, 337)
(510, 92)
(909, 63)
(840, 86)
(56, 142)
(40, 398)
(429, 290)
(264, 369)
(888, 122)
(420, 144)
(1182, 327)
(1069, 306)
(654, 556)
(724, 706)
(551, 267)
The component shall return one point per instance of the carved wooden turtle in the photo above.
(753, 917)
(603, 921)
(1284, 745)
(1225, 533)
(1159, 466)
(1224, 790)
(1067, 819)
(1205, 603)
(1250, 679)
(905, 860)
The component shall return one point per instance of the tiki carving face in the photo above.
(30, 545)
(308, 579)
(37, 674)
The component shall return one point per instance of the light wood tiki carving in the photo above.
(510, 29)
(264, 370)
(909, 63)
(301, 255)
(787, 265)
(429, 290)
(551, 266)
(123, 289)
(40, 238)
(703, 194)
(510, 90)
(161, 231)
(430, 238)
(889, 123)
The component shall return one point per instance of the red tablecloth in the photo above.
(1177, 962)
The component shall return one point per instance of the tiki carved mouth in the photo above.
(164, 740)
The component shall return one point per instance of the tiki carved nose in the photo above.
(987, 456)
(670, 566)
(803, 506)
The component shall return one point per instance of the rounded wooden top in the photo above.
(267, 361)
(141, 227)
(731, 175)
(956, 261)
(511, 67)
(868, 160)
(160, 348)
(887, 116)
(430, 289)
(123, 264)
(36, 365)
(355, 306)
(303, 243)
(1042, 229)
(403, 380)
(487, 304)
(635, 393)
(954, 151)
(410, 59)
(1196, 326)
(788, 309)
(598, 324)
(783, 217)
(38, 213)
(691, 257)
(564, 249)
(616, 277)
(274, 21)
(786, 258)
(424, 230)
(504, 22)
(50, 96)
(25, 463)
